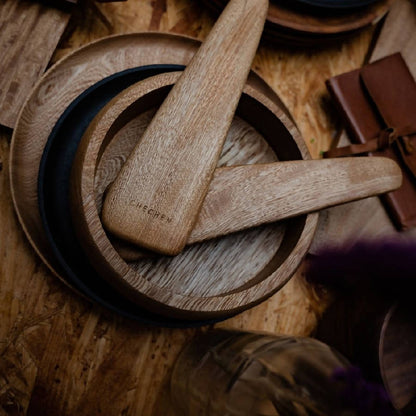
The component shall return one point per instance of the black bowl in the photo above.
(54, 202)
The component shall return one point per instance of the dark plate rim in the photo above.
(117, 303)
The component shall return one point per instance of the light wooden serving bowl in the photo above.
(36, 135)
(212, 279)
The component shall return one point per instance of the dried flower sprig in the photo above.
(383, 265)
(362, 397)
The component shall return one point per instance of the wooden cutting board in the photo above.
(30, 32)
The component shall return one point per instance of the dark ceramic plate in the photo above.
(54, 203)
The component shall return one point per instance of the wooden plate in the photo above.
(291, 24)
(210, 279)
(62, 84)
(58, 88)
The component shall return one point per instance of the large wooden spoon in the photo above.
(247, 196)
(242, 197)
(170, 170)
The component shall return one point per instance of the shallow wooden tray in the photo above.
(58, 88)
(209, 279)
(62, 84)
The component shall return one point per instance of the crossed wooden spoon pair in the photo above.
(169, 192)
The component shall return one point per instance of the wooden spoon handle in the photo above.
(155, 200)
(246, 196)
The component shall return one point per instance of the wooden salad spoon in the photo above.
(170, 170)
(241, 197)
(247, 196)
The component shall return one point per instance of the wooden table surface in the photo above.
(62, 355)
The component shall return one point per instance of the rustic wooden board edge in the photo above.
(40, 29)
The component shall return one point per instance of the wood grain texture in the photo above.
(61, 85)
(195, 283)
(399, 34)
(30, 33)
(121, 367)
(170, 170)
(64, 83)
(244, 197)
(235, 151)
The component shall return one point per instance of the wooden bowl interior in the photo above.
(58, 88)
(223, 256)
(204, 275)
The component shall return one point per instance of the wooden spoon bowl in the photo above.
(207, 280)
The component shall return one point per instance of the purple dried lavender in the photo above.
(385, 264)
(362, 397)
